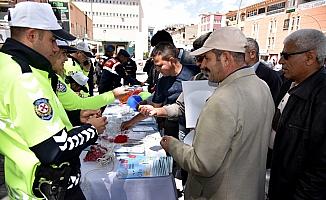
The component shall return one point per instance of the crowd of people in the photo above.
(256, 118)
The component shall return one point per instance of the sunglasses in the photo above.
(287, 55)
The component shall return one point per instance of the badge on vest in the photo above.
(43, 109)
(61, 87)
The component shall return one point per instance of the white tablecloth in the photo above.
(101, 183)
(98, 184)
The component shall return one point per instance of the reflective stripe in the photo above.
(17, 194)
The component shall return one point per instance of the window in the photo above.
(261, 10)
(276, 7)
(286, 24)
(298, 22)
(293, 22)
(268, 42)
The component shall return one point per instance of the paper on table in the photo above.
(142, 128)
(195, 95)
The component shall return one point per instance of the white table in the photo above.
(101, 183)
(98, 185)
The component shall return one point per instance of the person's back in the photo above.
(271, 77)
(131, 68)
(263, 71)
(110, 78)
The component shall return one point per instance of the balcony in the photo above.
(275, 11)
(312, 4)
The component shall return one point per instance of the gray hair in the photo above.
(309, 39)
(252, 44)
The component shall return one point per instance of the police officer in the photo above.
(40, 146)
(69, 99)
(80, 62)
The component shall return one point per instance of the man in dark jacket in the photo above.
(299, 152)
(265, 73)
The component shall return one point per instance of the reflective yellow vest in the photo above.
(30, 113)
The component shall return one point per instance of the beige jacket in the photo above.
(228, 157)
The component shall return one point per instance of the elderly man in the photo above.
(299, 154)
(40, 145)
(228, 156)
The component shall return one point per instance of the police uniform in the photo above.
(111, 76)
(40, 146)
(72, 66)
(71, 101)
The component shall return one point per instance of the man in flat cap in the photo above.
(228, 157)
(40, 146)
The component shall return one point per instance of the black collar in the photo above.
(304, 89)
(27, 55)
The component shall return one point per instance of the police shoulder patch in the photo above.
(61, 87)
(43, 109)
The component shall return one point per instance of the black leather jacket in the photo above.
(299, 155)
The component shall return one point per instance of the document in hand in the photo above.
(195, 95)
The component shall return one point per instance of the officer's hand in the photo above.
(126, 125)
(147, 110)
(99, 123)
(86, 114)
(120, 92)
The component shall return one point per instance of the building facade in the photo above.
(210, 22)
(270, 21)
(72, 19)
(183, 35)
(117, 22)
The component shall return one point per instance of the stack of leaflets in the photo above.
(137, 148)
(139, 166)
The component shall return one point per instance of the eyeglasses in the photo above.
(287, 55)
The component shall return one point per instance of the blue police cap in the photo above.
(109, 47)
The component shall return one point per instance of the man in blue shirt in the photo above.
(168, 87)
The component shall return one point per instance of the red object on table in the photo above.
(120, 139)
(94, 153)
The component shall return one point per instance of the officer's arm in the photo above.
(71, 101)
(41, 122)
(64, 146)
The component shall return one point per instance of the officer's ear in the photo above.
(32, 35)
